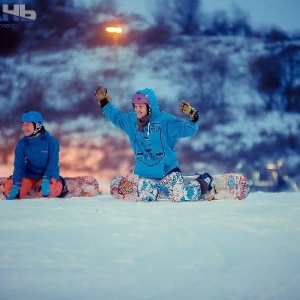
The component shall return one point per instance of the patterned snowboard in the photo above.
(227, 186)
(83, 186)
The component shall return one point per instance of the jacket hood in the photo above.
(149, 93)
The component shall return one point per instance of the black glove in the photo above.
(101, 95)
(187, 109)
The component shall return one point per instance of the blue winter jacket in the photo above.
(36, 157)
(154, 148)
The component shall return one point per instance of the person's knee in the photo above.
(55, 187)
(7, 184)
(147, 190)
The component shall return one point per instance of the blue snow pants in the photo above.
(172, 186)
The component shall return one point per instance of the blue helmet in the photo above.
(32, 116)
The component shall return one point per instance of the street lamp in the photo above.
(113, 29)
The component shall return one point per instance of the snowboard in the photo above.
(81, 186)
(227, 186)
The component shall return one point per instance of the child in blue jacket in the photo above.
(153, 135)
(36, 161)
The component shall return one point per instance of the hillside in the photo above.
(236, 132)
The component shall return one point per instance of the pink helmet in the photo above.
(139, 98)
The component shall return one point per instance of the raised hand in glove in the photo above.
(187, 109)
(13, 192)
(101, 95)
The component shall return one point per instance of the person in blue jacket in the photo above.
(36, 161)
(153, 135)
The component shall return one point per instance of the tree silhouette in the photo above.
(289, 59)
(183, 16)
(277, 76)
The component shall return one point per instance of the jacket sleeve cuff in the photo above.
(103, 102)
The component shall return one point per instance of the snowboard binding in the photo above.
(208, 190)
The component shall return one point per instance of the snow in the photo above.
(101, 248)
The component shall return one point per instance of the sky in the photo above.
(280, 13)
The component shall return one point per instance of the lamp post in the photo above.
(116, 31)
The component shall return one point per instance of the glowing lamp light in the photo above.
(114, 29)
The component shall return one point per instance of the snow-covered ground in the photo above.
(101, 248)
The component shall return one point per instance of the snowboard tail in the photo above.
(227, 186)
(81, 186)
